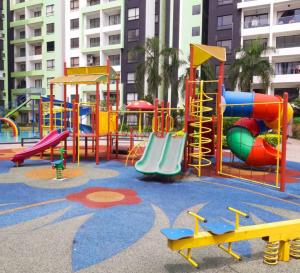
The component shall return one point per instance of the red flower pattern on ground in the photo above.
(98, 197)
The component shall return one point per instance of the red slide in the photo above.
(49, 141)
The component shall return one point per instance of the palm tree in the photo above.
(149, 68)
(250, 64)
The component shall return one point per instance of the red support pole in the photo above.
(168, 118)
(65, 111)
(117, 117)
(162, 127)
(131, 139)
(219, 119)
(108, 83)
(284, 141)
(97, 122)
(156, 116)
(51, 117)
(187, 105)
(74, 123)
(41, 118)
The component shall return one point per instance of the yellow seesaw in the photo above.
(282, 238)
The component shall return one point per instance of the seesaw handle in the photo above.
(241, 213)
(197, 219)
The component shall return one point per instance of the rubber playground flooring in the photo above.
(107, 218)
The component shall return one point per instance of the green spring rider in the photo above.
(59, 165)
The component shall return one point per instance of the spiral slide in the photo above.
(243, 138)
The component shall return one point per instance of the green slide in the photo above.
(17, 108)
(162, 155)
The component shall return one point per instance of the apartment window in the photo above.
(50, 28)
(114, 59)
(74, 42)
(293, 92)
(37, 13)
(95, 41)
(288, 16)
(93, 2)
(130, 77)
(22, 67)
(224, 22)
(22, 17)
(74, 61)
(258, 20)
(74, 23)
(227, 44)
(224, 2)
(114, 39)
(50, 46)
(287, 68)
(133, 35)
(132, 97)
(133, 14)
(288, 41)
(38, 66)
(95, 22)
(263, 42)
(132, 56)
(49, 10)
(93, 60)
(37, 32)
(38, 50)
(196, 9)
(22, 34)
(38, 83)
(196, 31)
(74, 4)
(114, 19)
(22, 52)
(50, 64)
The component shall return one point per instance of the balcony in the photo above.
(253, 3)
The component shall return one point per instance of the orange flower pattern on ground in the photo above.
(97, 197)
(47, 173)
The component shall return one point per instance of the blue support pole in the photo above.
(32, 112)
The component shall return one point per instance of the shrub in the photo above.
(271, 139)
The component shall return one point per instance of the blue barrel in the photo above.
(238, 98)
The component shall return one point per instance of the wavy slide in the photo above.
(243, 138)
(49, 141)
(12, 124)
(163, 155)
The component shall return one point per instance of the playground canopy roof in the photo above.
(203, 53)
(86, 75)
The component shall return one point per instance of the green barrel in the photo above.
(240, 142)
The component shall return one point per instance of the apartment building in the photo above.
(223, 29)
(94, 33)
(37, 27)
(2, 56)
(277, 24)
(177, 23)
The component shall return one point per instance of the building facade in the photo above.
(277, 24)
(223, 29)
(2, 56)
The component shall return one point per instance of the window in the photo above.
(22, 17)
(74, 23)
(132, 56)
(50, 64)
(22, 67)
(224, 22)
(93, 2)
(93, 60)
(196, 9)
(37, 32)
(38, 83)
(132, 97)
(37, 13)
(288, 41)
(287, 68)
(49, 10)
(22, 34)
(288, 16)
(95, 22)
(114, 19)
(114, 59)
(22, 52)
(262, 41)
(258, 20)
(38, 50)
(133, 14)
(130, 77)
(37, 66)
(95, 41)
(132, 120)
(74, 42)
(133, 35)
(227, 44)
(50, 46)
(196, 31)
(114, 39)
(74, 61)
(74, 4)
(50, 28)
(224, 2)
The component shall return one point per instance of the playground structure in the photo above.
(282, 238)
(59, 165)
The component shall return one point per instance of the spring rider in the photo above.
(59, 165)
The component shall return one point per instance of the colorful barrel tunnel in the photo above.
(259, 114)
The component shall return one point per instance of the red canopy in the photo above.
(140, 105)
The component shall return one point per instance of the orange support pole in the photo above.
(41, 118)
(168, 118)
(117, 117)
(74, 123)
(284, 142)
(156, 116)
(51, 117)
(65, 111)
(162, 122)
(131, 139)
(97, 122)
(219, 119)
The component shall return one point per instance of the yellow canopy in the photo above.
(203, 53)
(85, 75)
